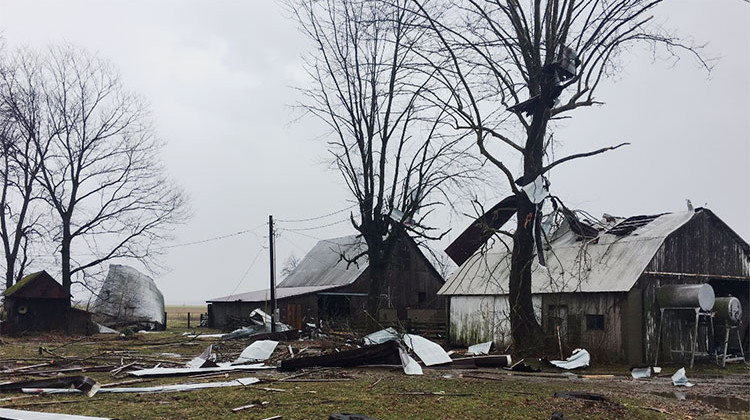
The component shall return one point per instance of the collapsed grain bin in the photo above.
(129, 298)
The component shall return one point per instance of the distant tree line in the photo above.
(82, 182)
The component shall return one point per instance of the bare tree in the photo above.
(385, 140)
(514, 67)
(290, 264)
(20, 125)
(101, 173)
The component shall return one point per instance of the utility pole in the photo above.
(273, 274)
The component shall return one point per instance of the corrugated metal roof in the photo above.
(612, 264)
(264, 295)
(324, 265)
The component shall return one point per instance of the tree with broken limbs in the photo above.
(508, 69)
(98, 169)
(387, 142)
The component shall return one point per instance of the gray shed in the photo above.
(600, 290)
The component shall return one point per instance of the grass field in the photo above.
(177, 315)
(382, 393)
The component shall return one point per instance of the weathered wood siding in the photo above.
(706, 246)
(575, 332)
(410, 283)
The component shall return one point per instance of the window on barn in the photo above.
(594, 322)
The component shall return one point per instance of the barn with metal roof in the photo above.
(598, 284)
(326, 286)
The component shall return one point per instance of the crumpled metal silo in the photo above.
(129, 298)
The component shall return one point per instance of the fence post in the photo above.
(188, 320)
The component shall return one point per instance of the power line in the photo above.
(252, 264)
(317, 217)
(315, 227)
(217, 238)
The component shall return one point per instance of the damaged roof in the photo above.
(265, 294)
(326, 265)
(321, 269)
(612, 263)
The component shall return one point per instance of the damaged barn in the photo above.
(324, 287)
(599, 288)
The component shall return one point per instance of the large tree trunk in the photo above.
(526, 332)
(377, 275)
(65, 256)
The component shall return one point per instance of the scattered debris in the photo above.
(222, 367)
(103, 329)
(379, 337)
(481, 348)
(385, 353)
(205, 360)
(258, 351)
(347, 416)
(579, 359)
(640, 372)
(80, 383)
(482, 361)
(431, 353)
(10, 414)
(580, 395)
(679, 378)
(253, 405)
(144, 390)
(411, 367)
(521, 366)
(439, 393)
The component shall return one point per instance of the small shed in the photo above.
(325, 287)
(599, 284)
(38, 303)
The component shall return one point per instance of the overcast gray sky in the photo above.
(218, 76)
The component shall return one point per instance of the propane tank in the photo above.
(728, 309)
(686, 296)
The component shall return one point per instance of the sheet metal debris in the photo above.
(379, 337)
(80, 383)
(679, 378)
(222, 367)
(579, 359)
(481, 348)
(103, 329)
(640, 372)
(206, 359)
(536, 190)
(151, 389)
(482, 361)
(129, 298)
(429, 352)
(411, 367)
(10, 414)
(257, 352)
